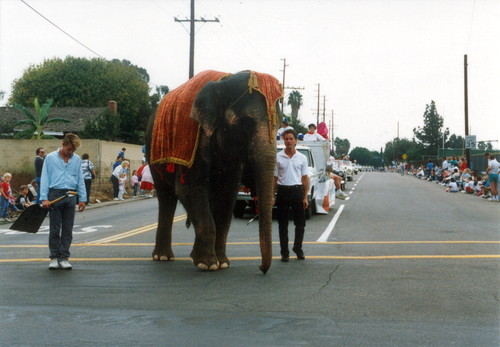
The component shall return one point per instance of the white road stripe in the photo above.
(326, 234)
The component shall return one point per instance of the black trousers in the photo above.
(116, 187)
(290, 196)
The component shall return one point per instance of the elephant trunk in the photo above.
(264, 182)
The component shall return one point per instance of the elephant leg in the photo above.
(195, 201)
(224, 198)
(167, 202)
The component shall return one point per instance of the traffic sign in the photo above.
(470, 141)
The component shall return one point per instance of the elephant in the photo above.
(235, 143)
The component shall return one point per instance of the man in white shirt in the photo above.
(312, 135)
(492, 172)
(291, 183)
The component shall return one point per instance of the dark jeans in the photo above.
(290, 197)
(62, 216)
(88, 184)
(116, 187)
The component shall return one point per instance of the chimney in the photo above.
(113, 106)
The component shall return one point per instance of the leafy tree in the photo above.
(106, 126)
(81, 82)
(361, 155)
(341, 147)
(296, 124)
(455, 142)
(484, 145)
(37, 123)
(431, 135)
(295, 101)
(154, 99)
(395, 149)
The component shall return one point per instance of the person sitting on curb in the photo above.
(22, 201)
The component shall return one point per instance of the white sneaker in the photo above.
(65, 265)
(115, 199)
(54, 264)
(341, 195)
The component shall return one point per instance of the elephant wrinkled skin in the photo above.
(234, 144)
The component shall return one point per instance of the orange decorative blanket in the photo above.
(268, 86)
(175, 134)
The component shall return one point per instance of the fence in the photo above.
(19, 155)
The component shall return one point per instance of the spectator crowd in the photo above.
(14, 201)
(455, 176)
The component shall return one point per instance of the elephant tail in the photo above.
(188, 222)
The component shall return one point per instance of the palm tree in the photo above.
(38, 122)
(295, 100)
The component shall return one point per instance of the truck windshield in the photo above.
(305, 152)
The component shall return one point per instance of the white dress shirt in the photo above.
(290, 170)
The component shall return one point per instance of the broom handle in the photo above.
(62, 197)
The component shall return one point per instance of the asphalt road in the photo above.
(401, 263)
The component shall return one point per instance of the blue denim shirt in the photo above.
(57, 174)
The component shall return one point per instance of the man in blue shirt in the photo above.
(62, 172)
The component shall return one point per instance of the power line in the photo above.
(67, 34)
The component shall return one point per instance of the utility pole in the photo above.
(332, 137)
(466, 109)
(324, 110)
(192, 21)
(285, 87)
(317, 113)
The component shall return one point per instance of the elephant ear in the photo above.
(205, 108)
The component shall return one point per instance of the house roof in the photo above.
(76, 115)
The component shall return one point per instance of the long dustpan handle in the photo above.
(68, 194)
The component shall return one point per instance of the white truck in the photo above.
(321, 188)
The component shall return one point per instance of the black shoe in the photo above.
(285, 259)
(300, 253)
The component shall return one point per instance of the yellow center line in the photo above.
(381, 257)
(103, 243)
(132, 232)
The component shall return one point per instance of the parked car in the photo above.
(348, 169)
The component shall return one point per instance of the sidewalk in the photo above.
(115, 202)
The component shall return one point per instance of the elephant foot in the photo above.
(163, 256)
(209, 263)
(213, 267)
(224, 262)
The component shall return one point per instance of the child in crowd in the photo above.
(22, 201)
(470, 186)
(484, 188)
(134, 183)
(452, 186)
(5, 192)
(121, 185)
